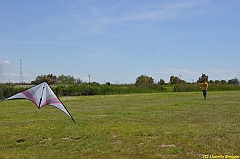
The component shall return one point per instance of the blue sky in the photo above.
(117, 41)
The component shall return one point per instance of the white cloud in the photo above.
(176, 71)
(163, 11)
(97, 20)
(5, 63)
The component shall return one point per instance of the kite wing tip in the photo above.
(1, 100)
(74, 121)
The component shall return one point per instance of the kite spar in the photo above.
(42, 95)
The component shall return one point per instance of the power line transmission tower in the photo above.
(21, 73)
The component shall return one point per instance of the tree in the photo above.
(144, 81)
(217, 82)
(50, 79)
(233, 81)
(66, 79)
(223, 82)
(78, 81)
(1, 91)
(175, 80)
(211, 82)
(161, 82)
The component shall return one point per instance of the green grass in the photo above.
(155, 125)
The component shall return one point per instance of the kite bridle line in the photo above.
(41, 97)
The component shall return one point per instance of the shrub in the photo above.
(7, 90)
(212, 87)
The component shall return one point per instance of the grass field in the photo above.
(162, 125)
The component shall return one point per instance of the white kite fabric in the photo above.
(42, 95)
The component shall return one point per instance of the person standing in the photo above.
(204, 87)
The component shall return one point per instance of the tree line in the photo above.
(69, 86)
(53, 79)
(142, 80)
(146, 80)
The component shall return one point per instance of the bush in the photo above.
(186, 87)
(97, 89)
(212, 87)
(7, 90)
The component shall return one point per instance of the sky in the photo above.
(117, 41)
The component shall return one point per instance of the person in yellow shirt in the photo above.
(204, 87)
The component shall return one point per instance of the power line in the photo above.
(21, 73)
